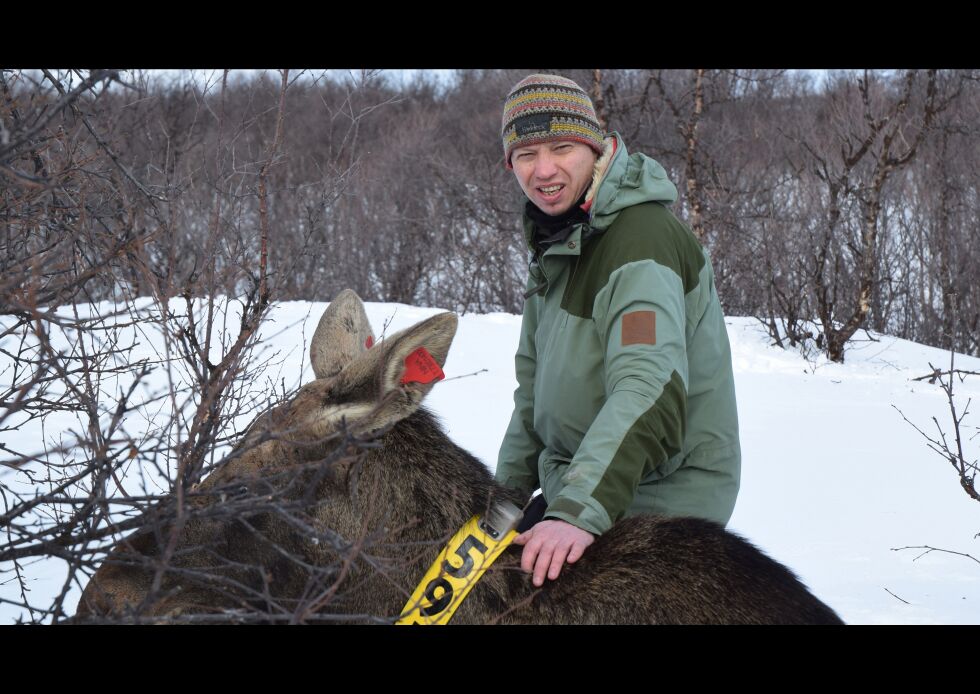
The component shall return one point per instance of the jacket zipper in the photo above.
(586, 228)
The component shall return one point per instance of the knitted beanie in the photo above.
(543, 108)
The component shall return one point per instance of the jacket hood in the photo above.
(619, 180)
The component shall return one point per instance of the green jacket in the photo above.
(625, 401)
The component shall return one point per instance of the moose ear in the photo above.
(414, 359)
(386, 384)
(342, 334)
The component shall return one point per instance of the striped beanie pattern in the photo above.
(542, 108)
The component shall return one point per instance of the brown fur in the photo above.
(381, 517)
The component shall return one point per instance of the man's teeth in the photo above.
(551, 189)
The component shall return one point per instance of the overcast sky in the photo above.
(213, 76)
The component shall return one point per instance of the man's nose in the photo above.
(545, 166)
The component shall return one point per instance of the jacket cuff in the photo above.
(587, 514)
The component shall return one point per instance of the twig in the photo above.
(896, 597)
(475, 373)
(934, 549)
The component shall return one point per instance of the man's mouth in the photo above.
(551, 191)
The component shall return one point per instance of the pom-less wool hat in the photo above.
(542, 108)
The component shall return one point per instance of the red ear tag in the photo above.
(420, 367)
(369, 342)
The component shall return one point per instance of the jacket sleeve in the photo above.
(639, 318)
(517, 462)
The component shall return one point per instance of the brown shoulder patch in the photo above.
(640, 328)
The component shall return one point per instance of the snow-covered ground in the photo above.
(834, 482)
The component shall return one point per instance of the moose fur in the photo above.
(377, 514)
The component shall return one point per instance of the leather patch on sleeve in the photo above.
(640, 328)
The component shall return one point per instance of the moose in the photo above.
(340, 499)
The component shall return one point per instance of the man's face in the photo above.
(553, 175)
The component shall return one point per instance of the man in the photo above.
(625, 401)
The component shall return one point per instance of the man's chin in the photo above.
(553, 209)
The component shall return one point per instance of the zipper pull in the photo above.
(535, 290)
(536, 272)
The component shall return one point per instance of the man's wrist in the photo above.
(564, 520)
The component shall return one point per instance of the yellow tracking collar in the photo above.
(477, 545)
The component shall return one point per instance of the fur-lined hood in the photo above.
(621, 180)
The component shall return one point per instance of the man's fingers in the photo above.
(576, 552)
(557, 560)
(530, 554)
(541, 564)
(548, 546)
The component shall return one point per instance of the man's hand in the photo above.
(548, 545)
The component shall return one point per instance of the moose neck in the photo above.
(425, 488)
(439, 482)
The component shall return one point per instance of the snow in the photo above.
(834, 482)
